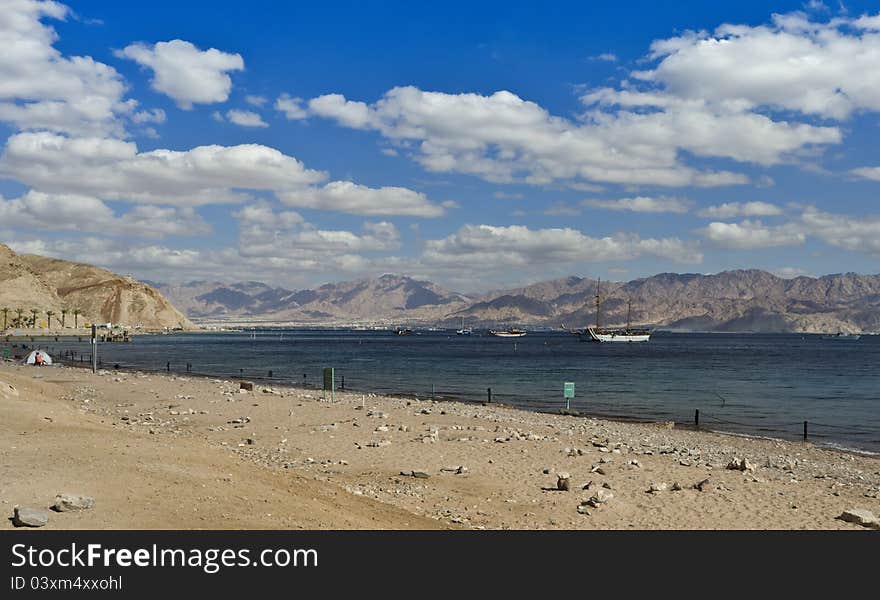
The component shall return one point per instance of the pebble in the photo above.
(656, 488)
(563, 481)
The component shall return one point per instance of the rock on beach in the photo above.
(25, 516)
(67, 502)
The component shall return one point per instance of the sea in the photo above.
(764, 385)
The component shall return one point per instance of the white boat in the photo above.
(844, 337)
(464, 330)
(508, 333)
(626, 334)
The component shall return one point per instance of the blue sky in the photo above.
(477, 146)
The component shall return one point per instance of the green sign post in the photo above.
(568, 393)
(329, 382)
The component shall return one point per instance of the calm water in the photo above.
(756, 384)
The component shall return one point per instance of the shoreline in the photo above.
(484, 464)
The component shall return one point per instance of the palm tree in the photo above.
(19, 312)
(5, 311)
(76, 314)
(34, 312)
(64, 312)
(49, 314)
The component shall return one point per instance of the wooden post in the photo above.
(489, 394)
(697, 418)
(805, 431)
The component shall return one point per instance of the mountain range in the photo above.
(741, 300)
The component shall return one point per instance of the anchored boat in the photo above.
(508, 333)
(621, 334)
(847, 337)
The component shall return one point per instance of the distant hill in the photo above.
(389, 297)
(743, 300)
(38, 282)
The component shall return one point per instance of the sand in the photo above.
(176, 452)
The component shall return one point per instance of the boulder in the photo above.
(860, 516)
(66, 502)
(25, 516)
(563, 481)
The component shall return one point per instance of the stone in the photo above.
(676, 487)
(860, 516)
(704, 486)
(741, 464)
(420, 474)
(246, 385)
(66, 502)
(25, 516)
(583, 510)
(563, 481)
(656, 488)
(600, 497)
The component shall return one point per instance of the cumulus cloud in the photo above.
(349, 197)
(112, 169)
(245, 118)
(185, 73)
(71, 212)
(291, 107)
(642, 204)
(518, 246)
(826, 69)
(42, 89)
(857, 234)
(504, 138)
(729, 210)
(749, 235)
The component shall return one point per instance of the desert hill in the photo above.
(47, 284)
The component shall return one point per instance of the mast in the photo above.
(629, 307)
(598, 283)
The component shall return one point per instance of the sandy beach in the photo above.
(161, 451)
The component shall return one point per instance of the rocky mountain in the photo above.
(744, 300)
(390, 298)
(101, 296)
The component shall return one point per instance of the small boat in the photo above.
(848, 337)
(403, 330)
(464, 330)
(508, 333)
(622, 334)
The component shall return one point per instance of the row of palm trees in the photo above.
(19, 320)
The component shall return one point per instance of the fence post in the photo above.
(805, 431)
(697, 418)
(489, 394)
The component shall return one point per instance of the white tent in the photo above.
(32, 357)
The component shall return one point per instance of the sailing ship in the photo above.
(508, 333)
(464, 330)
(621, 334)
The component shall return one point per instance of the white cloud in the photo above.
(815, 68)
(872, 173)
(70, 212)
(503, 138)
(749, 235)
(643, 204)
(729, 210)
(156, 115)
(114, 170)
(42, 89)
(606, 57)
(518, 246)
(185, 73)
(245, 118)
(258, 101)
(861, 234)
(349, 197)
(291, 107)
